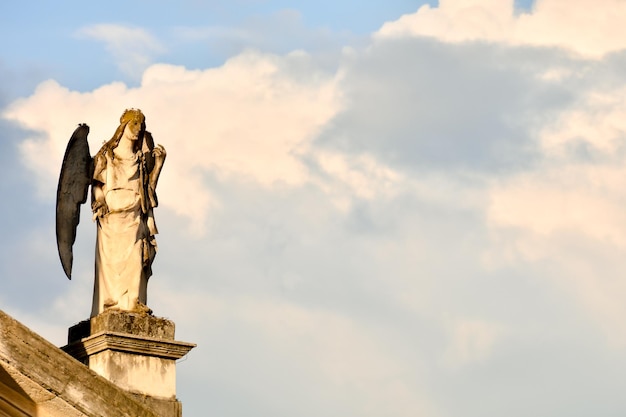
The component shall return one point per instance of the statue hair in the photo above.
(127, 116)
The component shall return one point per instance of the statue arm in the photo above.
(159, 158)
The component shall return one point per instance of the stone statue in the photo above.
(123, 176)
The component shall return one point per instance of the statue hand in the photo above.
(159, 154)
(99, 209)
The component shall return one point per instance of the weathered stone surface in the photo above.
(118, 321)
(149, 346)
(142, 374)
(135, 351)
(163, 407)
(14, 400)
(34, 372)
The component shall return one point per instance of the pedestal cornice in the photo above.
(128, 343)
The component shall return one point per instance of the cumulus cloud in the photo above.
(132, 48)
(566, 122)
(587, 27)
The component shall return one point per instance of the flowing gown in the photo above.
(125, 243)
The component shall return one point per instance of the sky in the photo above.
(398, 208)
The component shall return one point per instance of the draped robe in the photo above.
(125, 243)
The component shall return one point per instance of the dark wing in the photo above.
(76, 173)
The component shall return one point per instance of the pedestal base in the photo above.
(135, 351)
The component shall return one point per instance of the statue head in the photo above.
(135, 118)
(136, 121)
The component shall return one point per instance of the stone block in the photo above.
(135, 351)
(117, 321)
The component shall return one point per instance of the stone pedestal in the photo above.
(135, 351)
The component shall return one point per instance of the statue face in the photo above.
(132, 129)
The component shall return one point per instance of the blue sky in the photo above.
(42, 39)
(383, 209)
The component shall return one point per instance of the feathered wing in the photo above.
(74, 181)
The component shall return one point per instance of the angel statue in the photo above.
(123, 176)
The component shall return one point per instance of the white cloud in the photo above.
(573, 190)
(470, 340)
(327, 360)
(598, 121)
(132, 48)
(568, 209)
(360, 176)
(588, 27)
(575, 198)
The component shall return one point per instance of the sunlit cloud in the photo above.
(582, 26)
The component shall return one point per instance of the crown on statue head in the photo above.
(132, 114)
